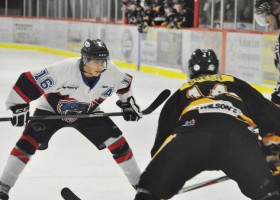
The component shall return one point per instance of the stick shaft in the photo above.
(203, 184)
(157, 102)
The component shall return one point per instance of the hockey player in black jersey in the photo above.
(72, 86)
(211, 123)
(171, 16)
(136, 13)
(185, 14)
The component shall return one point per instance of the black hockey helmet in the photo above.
(203, 61)
(94, 49)
(265, 6)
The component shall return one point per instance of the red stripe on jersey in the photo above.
(99, 100)
(123, 91)
(46, 95)
(65, 96)
(124, 157)
(30, 77)
(30, 140)
(20, 155)
(21, 94)
(117, 144)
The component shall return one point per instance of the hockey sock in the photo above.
(123, 155)
(20, 155)
(13, 169)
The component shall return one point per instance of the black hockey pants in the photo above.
(192, 152)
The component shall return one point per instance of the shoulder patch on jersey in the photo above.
(127, 80)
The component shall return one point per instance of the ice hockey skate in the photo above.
(4, 191)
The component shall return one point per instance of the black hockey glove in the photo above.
(20, 114)
(131, 111)
(271, 147)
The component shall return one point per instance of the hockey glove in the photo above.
(20, 114)
(131, 111)
(271, 147)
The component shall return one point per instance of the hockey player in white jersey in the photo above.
(72, 86)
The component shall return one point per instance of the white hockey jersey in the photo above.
(63, 88)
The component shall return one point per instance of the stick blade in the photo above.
(157, 102)
(67, 194)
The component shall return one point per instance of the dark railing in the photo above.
(221, 14)
(95, 10)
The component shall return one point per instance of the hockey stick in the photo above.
(203, 184)
(156, 103)
(68, 194)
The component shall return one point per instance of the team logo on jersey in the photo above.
(189, 123)
(71, 107)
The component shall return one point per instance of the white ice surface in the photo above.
(73, 161)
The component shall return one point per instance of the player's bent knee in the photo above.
(27, 144)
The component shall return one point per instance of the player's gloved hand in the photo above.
(131, 111)
(271, 147)
(20, 114)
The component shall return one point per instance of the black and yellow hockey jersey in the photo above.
(217, 102)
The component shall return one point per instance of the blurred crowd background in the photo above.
(174, 14)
